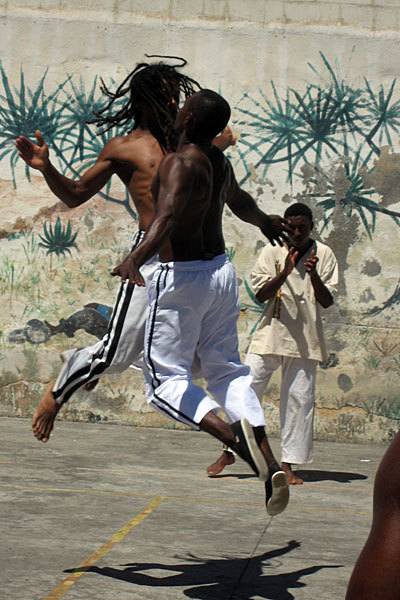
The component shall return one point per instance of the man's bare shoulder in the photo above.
(130, 146)
(175, 161)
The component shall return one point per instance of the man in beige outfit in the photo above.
(295, 283)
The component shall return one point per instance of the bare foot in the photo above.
(292, 478)
(90, 385)
(45, 414)
(226, 458)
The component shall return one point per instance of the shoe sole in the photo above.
(256, 454)
(280, 494)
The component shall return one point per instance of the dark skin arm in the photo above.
(76, 192)
(245, 207)
(174, 191)
(376, 574)
(72, 193)
(322, 294)
(270, 288)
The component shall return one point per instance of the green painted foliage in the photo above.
(62, 117)
(58, 240)
(337, 122)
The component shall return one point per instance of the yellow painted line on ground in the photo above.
(183, 499)
(65, 585)
(129, 495)
(337, 487)
(328, 510)
(17, 464)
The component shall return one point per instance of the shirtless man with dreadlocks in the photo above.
(153, 92)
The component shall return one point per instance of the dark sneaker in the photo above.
(248, 450)
(276, 491)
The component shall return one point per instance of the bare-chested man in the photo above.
(376, 575)
(153, 92)
(194, 294)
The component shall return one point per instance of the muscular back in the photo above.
(213, 238)
(190, 192)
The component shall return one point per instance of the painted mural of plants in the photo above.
(328, 139)
(255, 306)
(80, 145)
(346, 188)
(57, 240)
(391, 302)
(62, 119)
(11, 277)
(22, 111)
(386, 346)
(338, 122)
(396, 360)
(230, 252)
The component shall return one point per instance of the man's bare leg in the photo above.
(292, 478)
(223, 432)
(276, 487)
(263, 443)
(218, 429)
(226, 458)
(45, 414)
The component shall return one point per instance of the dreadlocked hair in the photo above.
(152, 85)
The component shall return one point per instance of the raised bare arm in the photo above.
(245, 207)
(270, 287)
(322, 294)
(72, 193)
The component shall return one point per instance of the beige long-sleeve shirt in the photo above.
(291, 323)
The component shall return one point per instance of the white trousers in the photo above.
(296, 401)
(194, 309)
(120, 348)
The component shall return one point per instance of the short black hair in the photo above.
(211, 114)
(297, 210)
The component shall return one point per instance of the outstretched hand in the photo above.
(311, 263)
(128, 271)
(36, 156)
(276, 230)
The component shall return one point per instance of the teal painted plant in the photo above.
(255, 306)
(352, 195)
(58, 240)
(62, 117)
(23, 110)
(320, 125)
(80, 144)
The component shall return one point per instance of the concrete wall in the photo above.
(318, 76)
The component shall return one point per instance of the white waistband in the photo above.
(196, 265)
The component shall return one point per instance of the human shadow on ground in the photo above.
(309, 475)
(212, 579)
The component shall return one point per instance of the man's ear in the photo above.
(312, 225)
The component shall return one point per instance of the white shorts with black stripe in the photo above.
(194, 308)
(121, 347)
